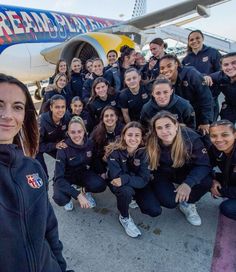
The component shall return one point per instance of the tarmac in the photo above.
(94, 240)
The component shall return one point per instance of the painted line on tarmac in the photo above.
(224, 259)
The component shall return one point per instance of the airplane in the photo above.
(32, 40)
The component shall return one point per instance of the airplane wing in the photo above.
(173, 12)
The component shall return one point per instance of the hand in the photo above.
(208, 80)
(49, 88)
(61, 145)
(216, 186)
(83, 201)
(152, 63)
(116, 182)
(204, 129)
(183, 192)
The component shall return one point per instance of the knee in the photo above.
(169, 204)
(61, 199)
(97, 186)
(227, 209)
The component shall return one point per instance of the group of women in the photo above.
(106, 128)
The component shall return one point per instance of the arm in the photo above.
(200, 164)
(60, 183)
(135, 180)
(125, 113)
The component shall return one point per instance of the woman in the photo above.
(225, 80)
(97, 71)
(151, 70)
(77, 109)
(190, 84)
(102, 96)
(177, 155)
(132, 99)
(77, 77)
(205, 59)
(112, 56)
(163, 98)
(53, 127)
(24, 200)
(73, 167)
(107, 131)
(223, 154)
(59, 87)
(88, 68)
(115, 75)
(61, 67)
(129, 174)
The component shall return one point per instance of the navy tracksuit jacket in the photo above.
(28, 229)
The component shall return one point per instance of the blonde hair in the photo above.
(120, 143)
(78, 120)
(57, 77)
(179, 152)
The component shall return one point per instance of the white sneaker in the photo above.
(91, 200)
(129, 226)
(69, 206)
(191, 214)
(133, 204)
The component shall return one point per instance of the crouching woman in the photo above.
(73, 167)
(178, 156)
(129, 173)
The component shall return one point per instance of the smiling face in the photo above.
(77, 107)
(133, 138)
(166, 130)
(162, 93)
(132, 80)
(76, 66)
(62, 67)
(76, 133)
(12, 111)
(89, 66)
(223, 138)
(61, 82)
(110, 118)
(195, 41)
(131, 58)
(111, 57)
(101, 90)
(168, 68)
(229, 67)
(58, 109)
(98, 68)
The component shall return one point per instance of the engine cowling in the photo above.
(94, 44)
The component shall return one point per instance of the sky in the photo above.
(220, 22)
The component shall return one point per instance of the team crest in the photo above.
(113, 103)
(204, 151)
(34, 181)
(136, 162)
(185, 83)
(205, 59)
(144, 95)
(63, 127)
(89, 153)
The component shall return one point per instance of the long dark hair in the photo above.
(99, 133)
(28, 138)
(125, 51)
(110, 90)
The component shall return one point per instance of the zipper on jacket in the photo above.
(26, 235)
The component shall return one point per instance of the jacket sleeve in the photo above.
(44, 147)
(229, 192)
(52, 237)
(86, 91)
(200, 164)
(138, 180)
(204, 97)
(60, 183)
(189, 117)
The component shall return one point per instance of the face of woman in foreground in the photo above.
(133, 138)
(166, 130)
(12, 111)
(76, 133)
(223, 138)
